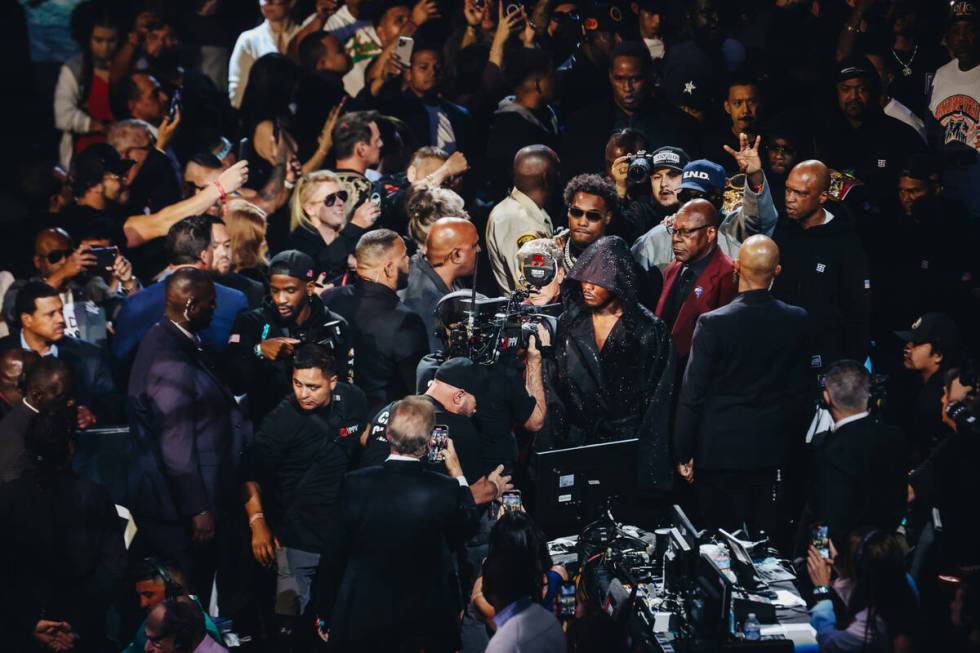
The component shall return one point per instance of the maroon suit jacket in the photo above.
(714, 288)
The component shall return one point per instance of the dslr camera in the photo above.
(640, 166)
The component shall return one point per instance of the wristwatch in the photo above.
(821, 591)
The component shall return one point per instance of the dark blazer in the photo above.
(186, 431)
(144, 309)
(61, 557)
(389, 340)
(424, 290)
(392, 583)
(858, 477)
(744, 394)
(407, 107)
(92, 382)
(714, 287)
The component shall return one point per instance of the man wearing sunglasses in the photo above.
(89, 294)
(591, 201)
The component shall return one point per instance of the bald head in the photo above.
(758, 263)
(190, 298)
(451, 247)
(695, 232)
(807, 188)
(535, 170)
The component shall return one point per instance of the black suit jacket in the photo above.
(858, 478)
(746, 385)
(389, 340)
(391, 582)
(92, 382)
(186, 431)
(407, 107)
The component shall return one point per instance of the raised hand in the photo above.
(747, 156)
(234, 177)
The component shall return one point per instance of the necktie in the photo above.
(677, 295)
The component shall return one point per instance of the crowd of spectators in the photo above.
(235, 233)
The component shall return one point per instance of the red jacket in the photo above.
(713, 288)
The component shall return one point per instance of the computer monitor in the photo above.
(742, 563)
(684, 525)
(714, 590)
(572, 484)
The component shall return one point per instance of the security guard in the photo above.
(262, 340)
(389, 338)
(294, 468)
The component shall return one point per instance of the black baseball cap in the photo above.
(603, 17)
(93, 163)
(672, 157)
(462, 373)
(934, 328)
(855, 68)
(292, 263)
(923, 167)
(963, 10)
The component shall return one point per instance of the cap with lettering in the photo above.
(670, 157)
(703, 176)
(963, 10)
(293, 263)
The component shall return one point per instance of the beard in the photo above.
(402, 281)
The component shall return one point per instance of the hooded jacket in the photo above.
(625, 389)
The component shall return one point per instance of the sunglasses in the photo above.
(332, 198)
(55, 256)
(593, 216)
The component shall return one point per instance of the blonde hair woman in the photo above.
(246, 224)
(426, 204)
(318, 226)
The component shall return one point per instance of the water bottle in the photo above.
(752, 628)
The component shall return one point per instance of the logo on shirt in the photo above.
(526, 238)
(821, 267)
(882, 163)
(233, 338)
(959, 115)
(867, 284)
(698, 292)
(347, 430)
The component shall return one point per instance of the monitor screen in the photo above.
(572, 484)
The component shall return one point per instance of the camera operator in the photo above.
(263, 339)
(859, 464)
(615, 361)
(295, 466)
(648, 182)
(947, 481)
(453, 396)
(512, 395)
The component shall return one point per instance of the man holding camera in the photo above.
(453, 394)
(262, 340)
(704, 179)
(295, 466)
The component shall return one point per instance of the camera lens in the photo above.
(639, 170)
